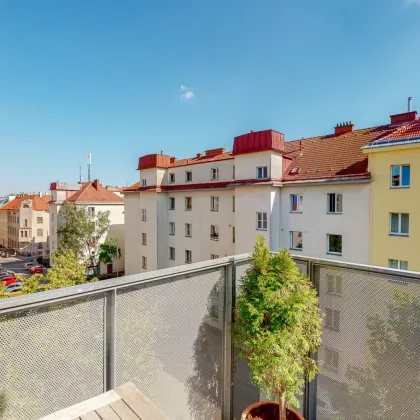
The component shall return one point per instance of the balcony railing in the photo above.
(168, 331)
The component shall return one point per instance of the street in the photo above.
(16, 264)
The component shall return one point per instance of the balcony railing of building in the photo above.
(168, 331)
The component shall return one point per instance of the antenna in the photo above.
(89, 164)
(80, 174)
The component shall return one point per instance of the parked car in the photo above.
(28, 265)
(6, 274)
(7, 281)
(36, 269)
(14, 287)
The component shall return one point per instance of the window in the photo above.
(144, 238)
(296, 203)
(400, 176)
(143, 262)
(21, 233)
(335, 244)
(171, 253)
(171, 178)
(52, 230)
(188, 230)
(188, 256)
(335, 203)
(188, 203)
(296, 241)
(143, 215)
(331, 358)
(261, 172)
(53, 245)
(332, 319)
(334, 284)
(91, 211)
(233, 234)
(39, 220)
(143, 182)
(26, 233)
(171, 228)
(26, 222)
(400, 265)
(233, 172)
(262, 221)
(39, 232)
(214, 173)
(52, 216)
(171, 203)
(188, 176)
(214, 232)
(233, 203)
(399, 224)
(214, 203)
(214, 256)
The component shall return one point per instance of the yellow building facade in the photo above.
(395, 203)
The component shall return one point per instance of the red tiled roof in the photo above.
(38, 203)
(405, 131)
(94, 192)
(202, 159)
(133, 187)
(330, 156)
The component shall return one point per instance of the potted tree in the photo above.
(277, 327)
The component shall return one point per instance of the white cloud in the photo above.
(187, 95)
(183, 87)
(410, 2)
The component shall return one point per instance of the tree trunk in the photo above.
(282, 406)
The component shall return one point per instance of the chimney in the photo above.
(403, 118)
(97, 185)
(199, 155)
(410, 99)
(343, 128)
(173, 159)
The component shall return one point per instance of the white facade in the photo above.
(152, 244)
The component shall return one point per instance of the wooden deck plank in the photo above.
(124, 411)
(107, 413)
(92, 415)
(139, 403)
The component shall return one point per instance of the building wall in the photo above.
(386, 200)
(132, 234)
(315, 222)
(246, 165)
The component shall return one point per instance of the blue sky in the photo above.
(105, 76)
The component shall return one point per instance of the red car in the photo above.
(36, 269)
(6, 281)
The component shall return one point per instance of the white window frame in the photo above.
(214, 256)
(214, 232)
(171, 201)
(291, 240)
(144, 238)
(262, 220)
(338, 198)
(400, 186)
(264, 172)
(328, 244)
(143, 182)
(336, 282)
(299, 199)
(333, 352)
(398, 264)
(188, 256)
(188, 208)
(214, 203)
(144, 262)
(332, 319)
(172, 228)
(399, 233)
(143, 215)
(91, 212)
(39, 220)
(187, 175)
(214, 174)
(172, 174)
(172, 251)
(188, 230)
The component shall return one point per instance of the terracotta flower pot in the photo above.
(268, 410)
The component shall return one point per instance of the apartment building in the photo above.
(311, 196)
(26, 220)
(394, 162)
(3, 220)
(96, 198)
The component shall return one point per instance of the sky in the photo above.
(122, 79)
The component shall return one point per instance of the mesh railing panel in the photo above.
(169, 342)
(51, 358)
(370, 346)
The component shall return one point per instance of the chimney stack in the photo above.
(410, 99)
(343, 128)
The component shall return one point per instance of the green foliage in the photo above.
(278, 324)
(388, 386)
(109, 251)
(81, 231)
(66, 271)
(3, 293)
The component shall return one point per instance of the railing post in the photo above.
(109, 342)
(230, 280)
(309, 403)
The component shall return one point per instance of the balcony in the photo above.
(169, 332)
